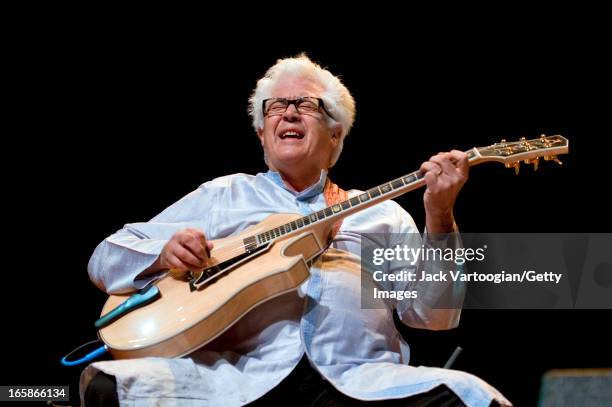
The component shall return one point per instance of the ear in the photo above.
(260, 135)
(336, 132)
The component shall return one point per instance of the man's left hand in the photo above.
(445, 174)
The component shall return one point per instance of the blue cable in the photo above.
(87, 358)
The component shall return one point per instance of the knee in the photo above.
(101, 391)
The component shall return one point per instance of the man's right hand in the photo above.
(186, 250)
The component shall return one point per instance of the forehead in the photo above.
(295, 86)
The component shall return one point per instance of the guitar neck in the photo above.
(511, 154)
(337, 212)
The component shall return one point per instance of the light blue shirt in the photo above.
(358, 350)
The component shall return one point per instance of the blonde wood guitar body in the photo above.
(183, 320)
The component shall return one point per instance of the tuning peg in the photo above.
(535, 161)
(516, 166)
(552, 158)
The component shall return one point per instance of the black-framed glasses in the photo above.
(304, 105)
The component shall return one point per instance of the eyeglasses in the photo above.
(304, 105)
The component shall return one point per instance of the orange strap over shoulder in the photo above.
(334, 195)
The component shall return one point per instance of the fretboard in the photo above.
(342, 209)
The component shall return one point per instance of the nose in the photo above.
(291, 114)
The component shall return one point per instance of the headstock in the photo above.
(527, 151)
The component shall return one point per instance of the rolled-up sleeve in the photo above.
(119, 260)
(437, 305)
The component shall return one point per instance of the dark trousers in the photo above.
(303, 387)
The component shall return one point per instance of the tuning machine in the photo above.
(516, 165)
(553, 158)
(534, 161)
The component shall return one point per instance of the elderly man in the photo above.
(312, 346)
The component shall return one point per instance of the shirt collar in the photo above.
(313, 190)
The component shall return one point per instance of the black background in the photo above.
(112, 124)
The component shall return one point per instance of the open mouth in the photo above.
(291, 134)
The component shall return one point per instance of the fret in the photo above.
(313, 217)
(374, 192)
(336, 208)
(354, 201)
(409, 179)
(364, 197)
(306, 220)
(293, 225)
(397, 183)
(320, 215)
(328, 211)
(300, 223)
(385, 188)
(345, 204)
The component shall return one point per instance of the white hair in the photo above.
(336, 97)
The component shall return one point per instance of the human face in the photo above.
(295, 142)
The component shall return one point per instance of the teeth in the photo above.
(291, 134)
